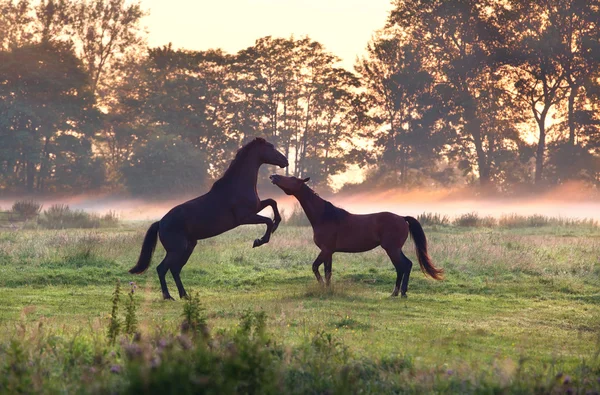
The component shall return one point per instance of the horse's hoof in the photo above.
(168, 297)
(275, 226)
(394, 295)
(404, 296)
(257, 243)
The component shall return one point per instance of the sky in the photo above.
(344, 27)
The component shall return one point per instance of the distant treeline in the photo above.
(504, 94)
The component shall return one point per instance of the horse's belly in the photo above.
(356, 241)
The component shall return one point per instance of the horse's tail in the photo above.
(147, 250)
(418, 236)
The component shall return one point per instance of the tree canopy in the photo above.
(498, 94)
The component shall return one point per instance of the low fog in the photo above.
(567, 201)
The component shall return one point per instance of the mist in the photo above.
(572, 200)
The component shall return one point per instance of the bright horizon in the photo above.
(344, 27)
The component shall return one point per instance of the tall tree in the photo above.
(15, 23)
(538, 75)
(47, 118)
(105, 30)
(403, 105)
(458, 41)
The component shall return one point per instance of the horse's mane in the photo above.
(330, 212)
(333, 213)
(240, 156)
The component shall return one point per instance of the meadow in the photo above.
(519, 311)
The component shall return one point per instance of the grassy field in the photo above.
(519, 311)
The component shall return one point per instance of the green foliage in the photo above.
(536, 220)
(26, 209)
(194, 318)
(114, 323)
(131, 321)
(60, 216)
(48, 119)
(163, 166)
(474, 220)
(272, 333)
(433, 219)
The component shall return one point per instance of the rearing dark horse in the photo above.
(232, 201)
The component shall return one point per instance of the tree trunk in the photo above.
(571, 115)
(474, 128)
(539, 157)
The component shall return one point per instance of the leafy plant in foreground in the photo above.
(114, 325)
(131, 322)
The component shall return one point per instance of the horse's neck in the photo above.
(312, 204)
(244, 173)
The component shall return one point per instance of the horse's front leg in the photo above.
(277, 217)
(259, 219)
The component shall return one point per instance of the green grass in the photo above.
(514, 300)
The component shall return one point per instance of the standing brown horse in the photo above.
(336, 230)
(232, 201)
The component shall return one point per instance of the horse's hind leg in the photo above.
(322, 258)
(176, 246)
(162, 270)
(178, 265)
(407, 267)
(403, 267)
(328, 266)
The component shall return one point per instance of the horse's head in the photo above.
(269, 155)
(289, 185)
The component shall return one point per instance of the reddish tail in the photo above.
(418, 236)
(147, 250)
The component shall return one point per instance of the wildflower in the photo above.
(185, 342)
(115, 369)
(155, 362)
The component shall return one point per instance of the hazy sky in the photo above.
(344, 27)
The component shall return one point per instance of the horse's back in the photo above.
(200, 218)
(363, 232)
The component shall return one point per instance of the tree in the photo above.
(538, 74)
(163, 166)
(290, 91)
(403, 105)
(105, 30)
(458, 42)
(15, 23)
(47, 117)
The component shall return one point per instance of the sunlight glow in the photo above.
(344, 27)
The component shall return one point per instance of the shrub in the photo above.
(60, 216)
(433, 219)
(194, 318)
(467, 220)
(537, 220)
(114, 323)
(131, 321)
(109, 220)
(474, 220)
(26, 209)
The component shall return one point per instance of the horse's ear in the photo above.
(307, 179)
(260, 140)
